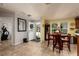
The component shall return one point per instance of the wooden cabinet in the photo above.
(77, 22)
(77, 45)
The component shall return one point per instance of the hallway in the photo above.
(34, 49)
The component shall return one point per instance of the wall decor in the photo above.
(21, 24)
(72, 24)
(72, 28)
(31, 26)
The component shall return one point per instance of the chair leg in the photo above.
(48, 42)
(69, 46)
(62, 45)
(54, 46)
(59, 50)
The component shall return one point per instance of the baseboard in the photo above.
(18, 43)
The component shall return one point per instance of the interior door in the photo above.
(32, 31)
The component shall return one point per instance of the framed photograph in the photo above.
(21, 25)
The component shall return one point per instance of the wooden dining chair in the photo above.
(67, 41)
(57, 42)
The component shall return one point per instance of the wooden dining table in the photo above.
(62, 35)
(54, 34)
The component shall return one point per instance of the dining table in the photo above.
(62, 36)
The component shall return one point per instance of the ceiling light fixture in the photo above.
(47, 3)
(28, 15)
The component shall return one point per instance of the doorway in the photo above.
(47, 30)
(34, 31)
(31, 31)
(38, 31)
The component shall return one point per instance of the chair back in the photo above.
(58, 39)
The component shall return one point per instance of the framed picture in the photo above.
(21, 25)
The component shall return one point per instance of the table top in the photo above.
(63, 35)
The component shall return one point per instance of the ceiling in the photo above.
(48, 10)
(5, 13)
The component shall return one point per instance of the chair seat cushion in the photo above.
(64, 39)
(51, 37)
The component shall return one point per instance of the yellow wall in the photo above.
(69, 21)
(42, 29)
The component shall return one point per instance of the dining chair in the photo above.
(66, 40)
(57, 42)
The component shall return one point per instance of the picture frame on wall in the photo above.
(21, 24)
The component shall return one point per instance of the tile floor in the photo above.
(34, 49)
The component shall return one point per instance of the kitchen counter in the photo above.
(77, 35)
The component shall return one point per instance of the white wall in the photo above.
(8, 22)
(11, 24)
(10, 17)
(19, 35)
(42, 30)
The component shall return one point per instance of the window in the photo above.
(64, 27)
(54, 27)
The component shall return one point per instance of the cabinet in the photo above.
(77, 45)
(77, 22)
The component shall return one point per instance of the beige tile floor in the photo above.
(34, 49)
